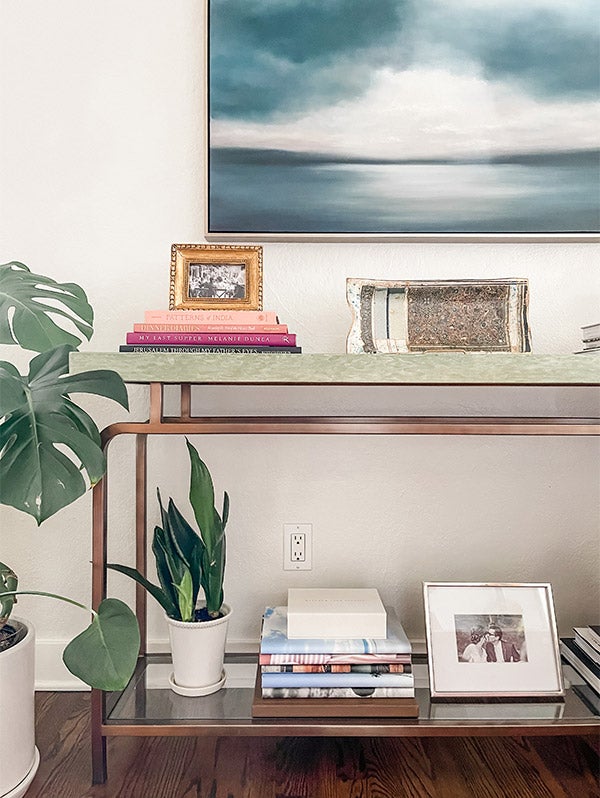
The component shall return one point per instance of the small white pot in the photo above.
(198, 651)
(20, 757)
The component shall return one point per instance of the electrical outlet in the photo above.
(297, 547)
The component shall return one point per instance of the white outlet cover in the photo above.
(294, 529)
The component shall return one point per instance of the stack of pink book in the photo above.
(177, 331)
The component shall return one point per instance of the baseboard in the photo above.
(51, 673)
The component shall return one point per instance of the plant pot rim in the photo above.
(225, 609)
(29, 633)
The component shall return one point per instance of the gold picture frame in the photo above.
(213, 276)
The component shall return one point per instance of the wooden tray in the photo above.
(332, 707)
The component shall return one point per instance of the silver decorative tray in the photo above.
(438, 315)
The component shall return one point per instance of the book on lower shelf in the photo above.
(275, 640)
(307, 706)
(336, 676)
(580, 662)
(587, 641)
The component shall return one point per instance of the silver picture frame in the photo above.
(492, 640)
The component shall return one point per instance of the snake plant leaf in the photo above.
(46, 440)
(168, 569)
(183, 536)
(213, 572)
(225, 513)
(153, 589)
(186, 543)
(104, 655)
(186, 600)
(33, 300)
(202, 499)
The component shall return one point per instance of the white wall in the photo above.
(101, 169)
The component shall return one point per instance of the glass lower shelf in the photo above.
(147, 705)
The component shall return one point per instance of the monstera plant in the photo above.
(47, 442)
(50, 448)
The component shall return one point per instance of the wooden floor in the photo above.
(229, 767)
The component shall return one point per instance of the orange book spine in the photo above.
(210, 317)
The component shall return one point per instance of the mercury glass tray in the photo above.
(438, 315)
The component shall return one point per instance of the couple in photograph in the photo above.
(489, 646)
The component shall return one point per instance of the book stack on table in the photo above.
(582, 653)
(334, 672)
(206, 331)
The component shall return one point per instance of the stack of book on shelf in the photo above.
(198, 331)
(582, 653)
(590, 336)
(334, 653)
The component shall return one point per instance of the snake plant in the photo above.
(185, 560)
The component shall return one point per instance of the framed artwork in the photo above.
(207, 277)
(492, 640)
(388, 119)
(438, 315)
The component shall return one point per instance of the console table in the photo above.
(146, 708)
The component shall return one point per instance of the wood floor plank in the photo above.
(325, 767)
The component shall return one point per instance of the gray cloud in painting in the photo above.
(274, 58)
(270, 56)
(548, 52)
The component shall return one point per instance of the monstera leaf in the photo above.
(104, 654)
(34, 300)
(46, 440)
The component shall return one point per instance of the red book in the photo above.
(216, 328)
(213, 339)
(211, 316)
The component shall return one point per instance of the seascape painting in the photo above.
(399, 117)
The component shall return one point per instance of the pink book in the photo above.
(211, 316)
(214, 328)
(212, 339)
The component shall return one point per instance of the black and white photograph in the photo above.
(490, 638)
(215, 276)
(217, 281)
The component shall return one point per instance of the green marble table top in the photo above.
(439, 368)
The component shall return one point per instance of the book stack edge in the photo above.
(582, 653)
(210, 331)
(590, 337)
(333, 677)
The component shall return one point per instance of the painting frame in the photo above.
(216, 277)
(516, 656)
(214, 232)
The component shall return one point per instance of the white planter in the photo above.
(198, 651)
(20, 757)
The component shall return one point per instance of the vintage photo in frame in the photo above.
(492, 641)
(394, 119)
(210, 276)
